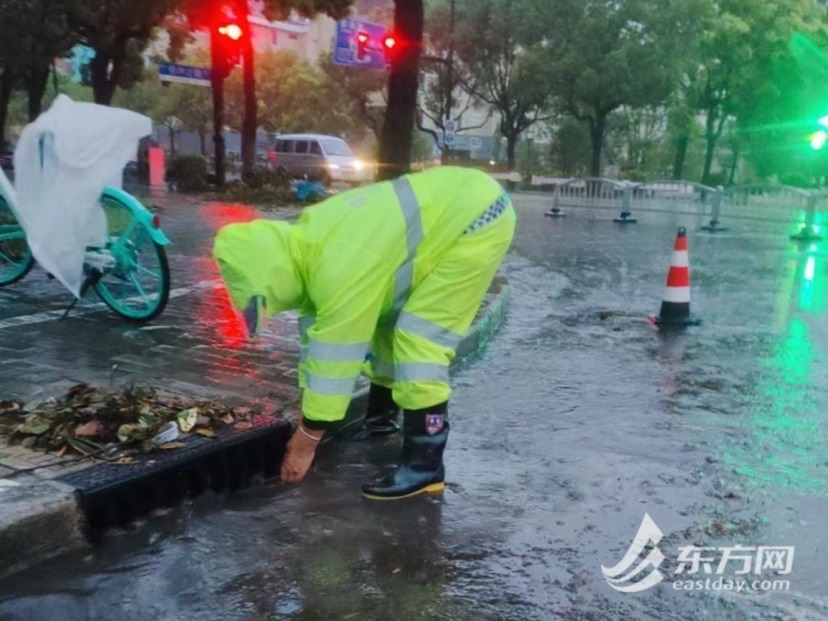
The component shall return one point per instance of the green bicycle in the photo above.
(129, 273)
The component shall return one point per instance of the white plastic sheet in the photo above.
(62, 163)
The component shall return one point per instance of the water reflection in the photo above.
(788, 426)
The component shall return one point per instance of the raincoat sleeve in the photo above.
(339, 339)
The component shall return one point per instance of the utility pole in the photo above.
(225, 53)
(217, 84)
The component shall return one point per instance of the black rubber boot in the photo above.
(421, 467)
(381, 414)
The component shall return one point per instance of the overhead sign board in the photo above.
(184, 74)
(346, 52)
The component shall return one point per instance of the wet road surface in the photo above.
(577, 421)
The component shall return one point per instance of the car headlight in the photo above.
(333, 166)
(359, 165)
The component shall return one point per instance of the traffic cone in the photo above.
(675, 305)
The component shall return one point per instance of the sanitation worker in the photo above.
(396, 270)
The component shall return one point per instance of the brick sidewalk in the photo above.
(205, 357)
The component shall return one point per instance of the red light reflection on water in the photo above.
(213, 313)
(218, 215)
(229, 329)
(216, 320)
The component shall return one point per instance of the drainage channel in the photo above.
(113, 495)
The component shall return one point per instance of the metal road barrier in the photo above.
(758, 203)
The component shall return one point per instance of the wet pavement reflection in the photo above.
(577, 420)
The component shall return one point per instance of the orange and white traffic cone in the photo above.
(675, 305)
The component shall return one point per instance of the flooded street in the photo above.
(578, 420)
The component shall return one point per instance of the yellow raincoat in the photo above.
(397, 269)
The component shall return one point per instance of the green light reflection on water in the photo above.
(788, 446)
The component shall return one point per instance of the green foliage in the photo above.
(358, 95)
(796, 179)
(569, 150)
(611, 55)
(264, 187)
(200, 12)
(717, 178)
(188, 173)
(266, 196)
(638, 176)
(268, 178)
(118, 31)
(500, 61)
(18, 115)
(745, 70)
(294, 95)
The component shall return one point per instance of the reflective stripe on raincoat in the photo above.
(348, 265)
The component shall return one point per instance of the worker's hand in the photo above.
(299, 456)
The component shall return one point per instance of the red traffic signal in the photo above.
(362, 39)
(227, 44)
(231, 31)
(389, 46)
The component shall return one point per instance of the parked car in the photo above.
(320, 158)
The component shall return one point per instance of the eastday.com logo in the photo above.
(700, 567)
(621, 577)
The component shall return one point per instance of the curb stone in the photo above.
(41, 518)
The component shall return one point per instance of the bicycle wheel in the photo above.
(136, 280)
(15, 255)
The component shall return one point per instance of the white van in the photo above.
(319, 157)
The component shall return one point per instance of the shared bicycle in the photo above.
(129, 272)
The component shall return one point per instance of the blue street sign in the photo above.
(184, 74)
(345, 50)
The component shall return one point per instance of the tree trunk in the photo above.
(106, 69)
(36, 79)
(400, 115)
(6, 88)
(710, 139)
(250, 120)
(597, 127)
(681, 156)
(171, 132)
(733, 166)
(511, 149)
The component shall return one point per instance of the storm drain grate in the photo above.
(113, 495)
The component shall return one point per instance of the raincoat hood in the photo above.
(257, 259)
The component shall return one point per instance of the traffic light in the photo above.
(228, 46)
(233, 32)
(362, 39)
(819, 139)
(389, 45)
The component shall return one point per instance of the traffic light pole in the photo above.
(217, 84)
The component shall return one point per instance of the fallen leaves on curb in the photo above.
(87, 419)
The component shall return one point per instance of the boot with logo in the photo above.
(381, 414)
(421, 467)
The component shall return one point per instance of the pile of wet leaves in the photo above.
(90, 420)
